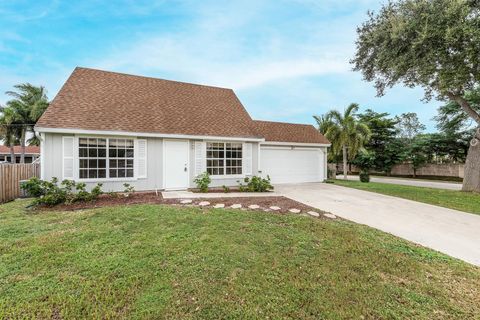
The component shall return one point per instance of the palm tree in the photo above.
(27, 105)
(324, 122)
(8, 132)
(347, 134)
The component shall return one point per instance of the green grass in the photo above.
(160, 262)
(458, 200)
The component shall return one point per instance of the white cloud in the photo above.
(193, 61)
(239, 46)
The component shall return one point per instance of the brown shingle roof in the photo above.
(109, 101)
(289, 132)
(100, 100)
(18, 150)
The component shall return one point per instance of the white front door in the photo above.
(176, 164)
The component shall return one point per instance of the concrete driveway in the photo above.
(410, 182)
(449, 231)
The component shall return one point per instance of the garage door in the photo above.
(287, 165)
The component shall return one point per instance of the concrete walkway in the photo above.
(196, 195)
(449, 231)
(410, 182)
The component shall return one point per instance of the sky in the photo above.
(287, 60)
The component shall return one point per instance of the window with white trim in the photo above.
(120, 153)
(224, 158)
(101, 158)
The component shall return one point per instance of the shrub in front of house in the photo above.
(203, 181)
(51, 193)
(256, 184)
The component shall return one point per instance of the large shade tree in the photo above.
(28, 104)
(434, 44)
(346, 133)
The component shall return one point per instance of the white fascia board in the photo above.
(299, 144)
(144, 134)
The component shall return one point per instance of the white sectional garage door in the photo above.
(287, 165)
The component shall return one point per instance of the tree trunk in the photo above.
(345, 169)
(12, 154)
(22, 141)
(471, 180)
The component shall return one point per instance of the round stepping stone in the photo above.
(313, 213)
(236, 206)
(253, 206)
(329, 215)
(219, 205)
(295, 210)
(204, 203)
(186, 201)
(275, 208)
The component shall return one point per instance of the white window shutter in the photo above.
(68, 157)
(247, 159)
(142, 158)
(200, 157)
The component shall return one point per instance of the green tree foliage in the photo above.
(451, 117)
(24, 109)
(434, 44)
(345, 132)
(417, 152)
(383, 145)
(408, 125)
(8, 133)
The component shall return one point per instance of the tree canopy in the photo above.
(434, 44)
(21, 113)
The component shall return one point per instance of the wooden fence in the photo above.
(10, 177)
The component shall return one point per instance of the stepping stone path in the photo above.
(275, 208)
(329, 215)
(219, 205)
(236, 206)
(295, 210)
(204, 203)
(313, 213)
(186, 201)
(254, 206)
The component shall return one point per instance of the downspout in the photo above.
(41, 158)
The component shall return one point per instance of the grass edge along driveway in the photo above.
(452, 199)
(156, 261)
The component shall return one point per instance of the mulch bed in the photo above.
(106, 200)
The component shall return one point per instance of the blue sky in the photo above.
(286, 59)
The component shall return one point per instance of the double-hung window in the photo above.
(224, 158)
(101, 158)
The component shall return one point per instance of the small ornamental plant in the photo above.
(128, 189)
(203, 181)
(256, 184)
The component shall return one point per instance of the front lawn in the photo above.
(463, 201)
(157, 261)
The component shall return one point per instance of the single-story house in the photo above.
(157, 134)
(31, 153)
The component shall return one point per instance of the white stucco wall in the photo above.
(223, 181)
(52, 165)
